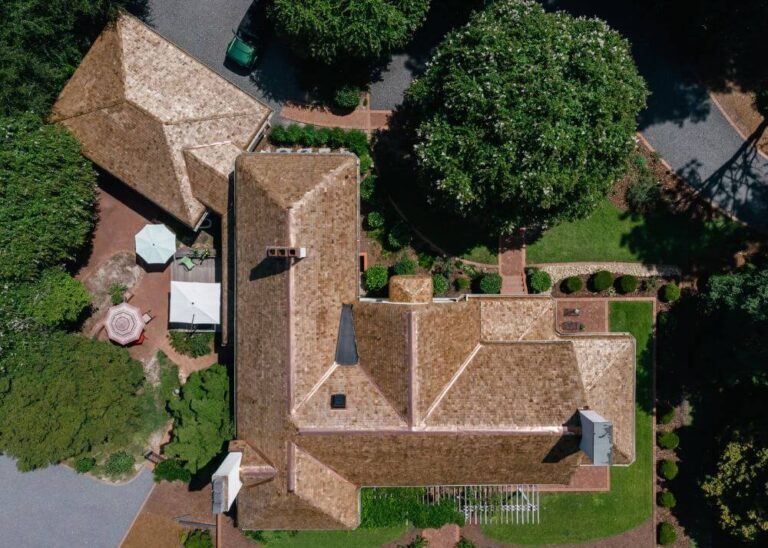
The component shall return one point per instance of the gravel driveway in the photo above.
(55, 507)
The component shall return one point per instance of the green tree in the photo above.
(738, 488)
(56, 299)
(525, 117)
(65, 395)
(47, 195)
(202, 420)
(348, 31)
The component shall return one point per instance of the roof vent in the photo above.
(286, 252)
(596, 437)
(338, 401)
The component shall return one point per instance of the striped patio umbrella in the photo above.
(155, 244)
(124, 324)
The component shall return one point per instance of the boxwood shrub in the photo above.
(374, 220)
(571, 284)
(84, 464)
(347, 97)
(490, 283)
(670, 292)
(627, 284)
(666, 499)
(668, 440)
(668, 469)
(461, 283)
(376, 277)
(540, 281)
(601, 280)
(667, 534)
(405, 266)
(439, 284)
(368, 188)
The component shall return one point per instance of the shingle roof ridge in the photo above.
(325, 376)
(449, 385)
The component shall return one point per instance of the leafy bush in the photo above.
(171, 470)
(666, 499)
(670, 292)
(294, 134)
(374, 220)
(439, 284)
(191, 344)
(119, 464)
(426, 261)
(540, 281)
(395, 506)
(490, 283)
(376, 278)
(627, 284)
(571, 284)
(56, 299)
(667, 534)
(668, 440)
(347, 97)
(601, 280)
(405, 266)
(666, 414)
(366, 162)
(399, 236)
(278, 135)
(356, 141)
(336, 138)
(117, 292)
(461, 283)
(668, 469)
(644, 194)
(47, 190)
(197, 538)
(84, 464)
(465, 543)
(368, 188)
(202, 420)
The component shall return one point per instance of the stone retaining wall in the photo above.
(559, 271)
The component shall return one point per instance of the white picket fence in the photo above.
(481, 504)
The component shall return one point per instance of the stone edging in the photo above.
(559, 271)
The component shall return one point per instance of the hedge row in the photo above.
(354, 140)
(395, 506)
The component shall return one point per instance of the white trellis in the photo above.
(481, 504)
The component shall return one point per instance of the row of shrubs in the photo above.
(377, 277)
(668, 469)
(354, 140)
(603, 280)
(117, 464)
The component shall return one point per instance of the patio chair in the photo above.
(572, 312)
(572, 326)
(187, 263)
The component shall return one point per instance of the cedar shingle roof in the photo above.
(482, 390)
(136, 102)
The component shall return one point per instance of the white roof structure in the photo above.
(195, 303)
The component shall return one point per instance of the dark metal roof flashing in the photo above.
(346, 343)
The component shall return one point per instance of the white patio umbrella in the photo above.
(124, 324)
(195, 303)
(155, 244)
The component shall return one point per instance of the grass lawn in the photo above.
(362, 538)
(610, 234)
(582, 517)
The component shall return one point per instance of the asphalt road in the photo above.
(55, 507)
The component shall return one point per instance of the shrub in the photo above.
(366, 162)
(84, 464)
(117, 292)
(191, 344)
(119, 464)
(666, 499)
(670, 292)
(336, 138)
(601, 280)
(540, 281)
(356, 141)
(293, 134)
(571, 284)
(465, 543)
(347, 97)
(197, 538)
(278, 135)
(171, 470)
(668, 440)
(490, 283)
(627, 284)
(374, 220)
(666, 414)
(426, 261)
(56, 299)
(376, 277)
(668, 469)
(399, 236)
(461, 283)
(322, 136)
(667, 534)
(368, 188)
(643, 194)
(308, 136)
(439, 284)
(405, 266)
(393, 506)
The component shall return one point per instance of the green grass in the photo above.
(359, 538)
(582, 517)
(610, 234)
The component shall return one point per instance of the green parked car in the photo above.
(241, 50)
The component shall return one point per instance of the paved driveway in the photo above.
(55, 507)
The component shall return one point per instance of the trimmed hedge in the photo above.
(540, 281)
(347, 97)
(666, 499)
(627, 284)
(171, 470)
(490, 283)
(310, 136)
(404, 267)
(374, 220)
(368, 188)
(601, 280)
(668, 440)
(376, 277)
(84, 464)
(668, 469)
(439, 284)
(667, 534)
(670, 292)
(572, 284)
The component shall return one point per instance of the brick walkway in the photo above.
(512, 264)
(367, 120)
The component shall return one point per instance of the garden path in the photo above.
(512, 263)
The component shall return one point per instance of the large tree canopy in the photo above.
(64, 395)
(333, 31)
(525, 117)
(47, 195)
